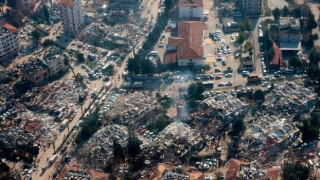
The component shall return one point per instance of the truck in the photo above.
(64, 124)
(254, 78)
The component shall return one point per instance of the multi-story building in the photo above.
(53, 58)
(35, 71)
(3, 73)
(43, 65)
(72, 16)
(190, 9)
(289, 34)
(251, 7)
(188, 46)
(8, 41)
(26, 3)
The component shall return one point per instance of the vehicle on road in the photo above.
(245, 73)
(255, 78)
(228, 75)
(229, 83)
(221, 84)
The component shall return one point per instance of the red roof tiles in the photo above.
(277, 55)
(190, 3)
(8, 26)
(66, 2)
(273, 173)
(190, 41)
(170, 57)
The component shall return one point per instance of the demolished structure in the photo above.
(99, 147)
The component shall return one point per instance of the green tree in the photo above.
(12, 3)
(46, 13)
(48, 42)
(80, 57)
(133, 66)
(311, 22)
(133, 145)
(242, 27)
(238, 127)
(297, 12)
(206, 67)
(118, 150)
(258, 95)
(36, 34)
(241, 38)
(285, 11)
(276, 13)
(309, 132)
(295, 62)
(295, 171)
(195, 90)
(248, 24)
(147, 67)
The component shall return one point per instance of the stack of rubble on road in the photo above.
(135, 108)
(99, 148)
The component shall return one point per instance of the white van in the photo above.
(53, 159)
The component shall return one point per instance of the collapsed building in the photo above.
(134, 108)
(226, 106)
(99, 147)
(272, 127)
(177, 140)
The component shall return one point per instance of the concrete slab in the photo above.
(210, 59)
(208, 41)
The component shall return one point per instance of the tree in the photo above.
(147, 67)
(309, 132)
(36, 34)
(46, 13)
(12, 3)
(258, 95)
(297, 12)
(206, 67)
(133, 66)
(195, 90)
(242, 27)
(241, 39)
(295, 62)
(276, 13)
(248, 24)
(118, 150)
(133, 145)
(311, 22)
(48, 42)
(295, 171)
(238, 127)
(80, 57)
(285, 11)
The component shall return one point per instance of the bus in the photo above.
(53, 159)
(260, 35)
(208, 84)
(64, 124)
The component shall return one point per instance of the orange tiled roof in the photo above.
(31, 126)
(170, 57)
(277, 55)
(190, 41)
(66, 2)
(8, 26)
(273, 173)
(190, 3)
(233, 168)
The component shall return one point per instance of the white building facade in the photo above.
(190, 9)
(8, 41)
(72, 16)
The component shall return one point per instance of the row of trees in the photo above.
(310, 129)
(162, 21)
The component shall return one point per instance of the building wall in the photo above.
(171, 48)
(190, 12)
(252, 6)
(185, 62)
(37, 78)
(3, 75)
(55, 65)
(8, 46)
(287, 38)
(73, 19)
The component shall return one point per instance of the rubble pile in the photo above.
(226, 105)
(272, 127)
(99, 148)
(59, 95)
(180, 137)
(133, 108)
